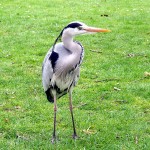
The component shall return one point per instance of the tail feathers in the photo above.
(49, 96)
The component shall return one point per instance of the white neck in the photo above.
(70, 44)
(74, 58)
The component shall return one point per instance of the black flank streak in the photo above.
(53, 58)
(49, 96)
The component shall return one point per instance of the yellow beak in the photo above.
(93, 29)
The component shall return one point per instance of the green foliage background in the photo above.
(112, 98)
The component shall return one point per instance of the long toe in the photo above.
(75, 136)
(53, 140)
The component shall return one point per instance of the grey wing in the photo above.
(47, 71)
(77, 76)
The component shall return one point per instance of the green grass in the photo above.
(105, 118)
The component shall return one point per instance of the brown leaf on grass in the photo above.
(21, 136)
(117, 89)
(131, 55)
(89, 131)
(17, 107)
(147, 74)
(136, 140)
(6, 120)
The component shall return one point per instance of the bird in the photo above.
(61, 66)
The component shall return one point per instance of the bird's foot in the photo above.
(53, 139)
(75, 136)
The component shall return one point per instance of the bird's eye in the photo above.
(79, 28)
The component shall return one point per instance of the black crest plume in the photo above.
(59, 36)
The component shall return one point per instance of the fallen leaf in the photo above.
(89, 131)
(147, 74)
(17, 107)
(117, 89)
(136, 140)
(6, 120)
(131, 55)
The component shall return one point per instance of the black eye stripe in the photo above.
(73, 25)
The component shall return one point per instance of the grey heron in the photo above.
(61, 66)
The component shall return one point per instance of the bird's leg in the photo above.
(55, 110)
(71, 110)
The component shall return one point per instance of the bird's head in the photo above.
(77, 28)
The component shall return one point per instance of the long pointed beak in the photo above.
(93, 29)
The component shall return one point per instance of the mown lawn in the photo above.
(112, 98)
